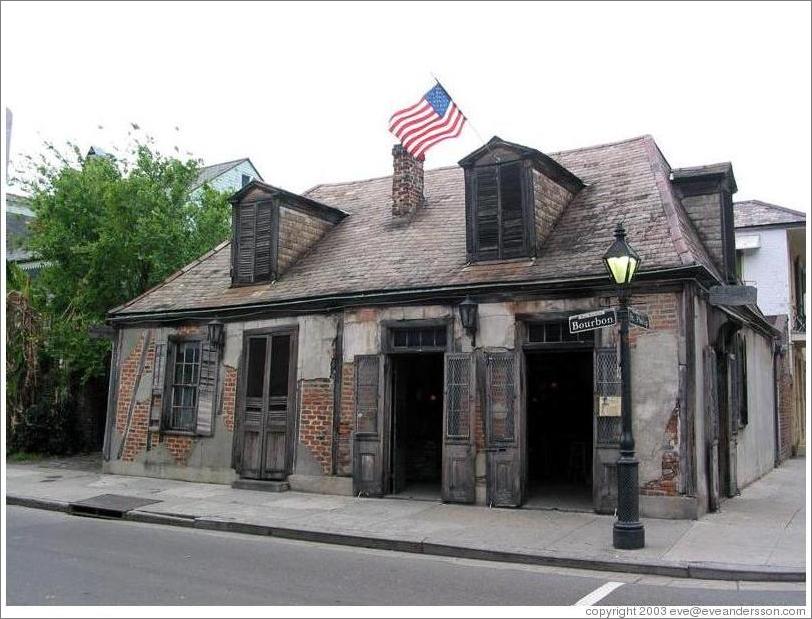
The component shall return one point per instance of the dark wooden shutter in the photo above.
(504, 459)
(262, 261)
(246, 243)
(607, 384)
(207, 389)
(458, 454)
(486, 206)
(367, 475)
(158, 376)
(512, 213)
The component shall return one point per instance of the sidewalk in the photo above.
(757, 536)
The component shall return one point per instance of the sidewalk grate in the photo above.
(108, 505)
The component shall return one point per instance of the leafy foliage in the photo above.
(108, 229)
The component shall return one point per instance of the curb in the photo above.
(673, 569)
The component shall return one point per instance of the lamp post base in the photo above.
(628, 535)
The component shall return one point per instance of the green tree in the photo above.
(107, 229)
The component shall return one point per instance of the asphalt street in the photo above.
(55, 558)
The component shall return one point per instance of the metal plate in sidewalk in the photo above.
(109, 505)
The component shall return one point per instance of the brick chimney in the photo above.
(407, 182)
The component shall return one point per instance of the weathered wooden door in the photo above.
(267, 405)
(458, 484)
(503, 424)
(368, 456)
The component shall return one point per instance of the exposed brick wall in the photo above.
(407, 182)
(786, 400)
(662, 310)
(126, 382)
(179, 446)
(297, 234)
(550, 200)
(229, 397)
(316, 420)
(346, 419)
(136, 440)
(666, 484)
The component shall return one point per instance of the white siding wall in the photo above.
(231, 180)
(756, 441)
(768, 269)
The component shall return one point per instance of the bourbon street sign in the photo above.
(592, 320)
(638, 318)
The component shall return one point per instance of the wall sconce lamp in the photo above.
(468, 317)
(215, 331)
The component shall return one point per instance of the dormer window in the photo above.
(514, 195)
(271, 229)
(501, 211)
(255, 225)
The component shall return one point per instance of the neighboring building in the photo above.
(18, 217)
(323, 349)
(771, 252)
(227, 176)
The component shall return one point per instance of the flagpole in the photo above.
(481, 139)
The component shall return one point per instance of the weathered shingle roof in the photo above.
(370, 252)
(751, 213)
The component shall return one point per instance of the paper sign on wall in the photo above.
(609, 406)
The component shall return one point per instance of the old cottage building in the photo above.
(322, 347)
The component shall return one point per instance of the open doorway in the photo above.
(417, 425)
(559, 430)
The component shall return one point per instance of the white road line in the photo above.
(598, 594)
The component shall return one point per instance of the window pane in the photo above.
(400, 338)
(280, 361)
(440, 335)
(256, 366)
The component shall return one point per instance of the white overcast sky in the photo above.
(305, 90)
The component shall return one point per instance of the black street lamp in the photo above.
(622, 263)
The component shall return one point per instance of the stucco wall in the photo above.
(208, 458)
(755, 451)
(768, 269)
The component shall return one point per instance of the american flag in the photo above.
(428, 122)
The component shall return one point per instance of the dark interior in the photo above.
(418, 422)
(559, 421)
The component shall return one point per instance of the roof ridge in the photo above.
(373, 178)
(232, 163)
(645, 136)
(174, 276)
(455, 166)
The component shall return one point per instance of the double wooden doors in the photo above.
(266, 406)
(374, 426)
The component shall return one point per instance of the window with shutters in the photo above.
(500, 211)
(254, 230)
(183, 374)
